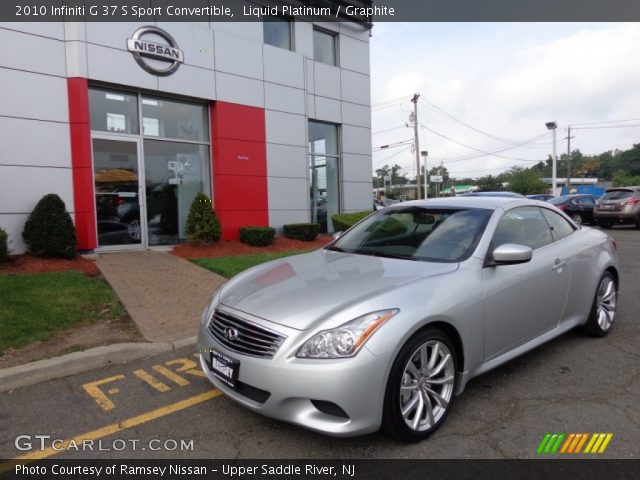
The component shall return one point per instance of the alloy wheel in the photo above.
(427, 385)
(606, 303)
(577, 219)
(134, 229)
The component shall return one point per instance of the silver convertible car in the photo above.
(386, 325)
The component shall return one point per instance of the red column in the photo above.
(239, 167)
(82, 170)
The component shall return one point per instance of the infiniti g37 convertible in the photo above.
(386, 325)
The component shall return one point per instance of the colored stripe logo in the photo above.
(574, 443)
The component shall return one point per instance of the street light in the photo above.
(553, 127)
(424, 153)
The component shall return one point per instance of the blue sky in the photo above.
(507, 80)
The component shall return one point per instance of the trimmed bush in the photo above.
(49, 231)
(202, 224)
(307, 232)
(4, 250)
(344, 221)
(257, 236)
(389, 227)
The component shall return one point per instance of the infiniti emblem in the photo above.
(231, 333)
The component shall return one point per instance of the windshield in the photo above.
(417, 233)
(559, 200)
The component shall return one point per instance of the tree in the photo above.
(526, 182)
(202, 224)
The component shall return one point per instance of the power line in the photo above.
(388, 130)
(607, 121)
(484, 152)
(605, 126)
(392, 145)
(392, 155)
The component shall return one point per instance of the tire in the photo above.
(605, 224)
(603, 309)
(577, 218)
(409, 388)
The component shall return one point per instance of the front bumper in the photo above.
(356, 385)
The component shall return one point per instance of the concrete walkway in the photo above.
(164, 294)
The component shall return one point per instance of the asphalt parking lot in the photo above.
(162, 407)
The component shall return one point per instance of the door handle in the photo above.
(559, 264)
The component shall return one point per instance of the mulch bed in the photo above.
(235, 247)
(21, 264)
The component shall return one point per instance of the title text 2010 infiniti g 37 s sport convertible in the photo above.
(387, 324)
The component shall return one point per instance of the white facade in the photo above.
(226, 62)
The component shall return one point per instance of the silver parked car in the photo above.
(386, 325)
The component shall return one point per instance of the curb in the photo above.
(80, 362)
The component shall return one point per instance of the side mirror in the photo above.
(337, 235)
(511, 253)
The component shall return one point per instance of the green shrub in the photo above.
(202, 224)
(344, 221)
(49, 231)
(389, 227)
(4, 250)
(307, 232)
(257, 236)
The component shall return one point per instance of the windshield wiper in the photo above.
(384, 255)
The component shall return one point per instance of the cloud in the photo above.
(506, 80)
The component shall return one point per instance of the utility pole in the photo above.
(414, 100)
(569, 137)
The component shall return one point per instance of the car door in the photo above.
(524, 300)
(586, 206)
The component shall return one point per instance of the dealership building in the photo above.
(127, 122)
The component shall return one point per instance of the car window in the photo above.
(585, 201)
(523, 226)
(617, 194)
(560, 227)
(559, 200)
(417, 233)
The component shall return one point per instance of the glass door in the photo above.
(117, 181)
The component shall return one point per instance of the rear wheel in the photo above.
(420, 389)
(606, 224)
(603, 310)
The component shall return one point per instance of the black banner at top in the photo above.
(364, 11)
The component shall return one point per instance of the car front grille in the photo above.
(244, 337)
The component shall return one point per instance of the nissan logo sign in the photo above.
(231, 333)
(143, 49)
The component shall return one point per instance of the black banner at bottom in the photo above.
(320, 469)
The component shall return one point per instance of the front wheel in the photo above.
(603, 310)
(420, 389)
(577, 218)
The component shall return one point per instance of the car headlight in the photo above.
(345, 340)
(211, 306)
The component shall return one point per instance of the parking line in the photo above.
(120, 426)
(158, 385)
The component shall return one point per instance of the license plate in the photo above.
(607, 207)
(224, 368)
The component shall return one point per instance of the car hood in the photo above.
(300, 290)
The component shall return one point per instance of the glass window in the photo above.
(418, 233)
(174, 119)
(277, 32)
(175, 173)
(113, 111)
(560, 228)
(522, 226)
(324, 188)
(324, 47)
(585, 201)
